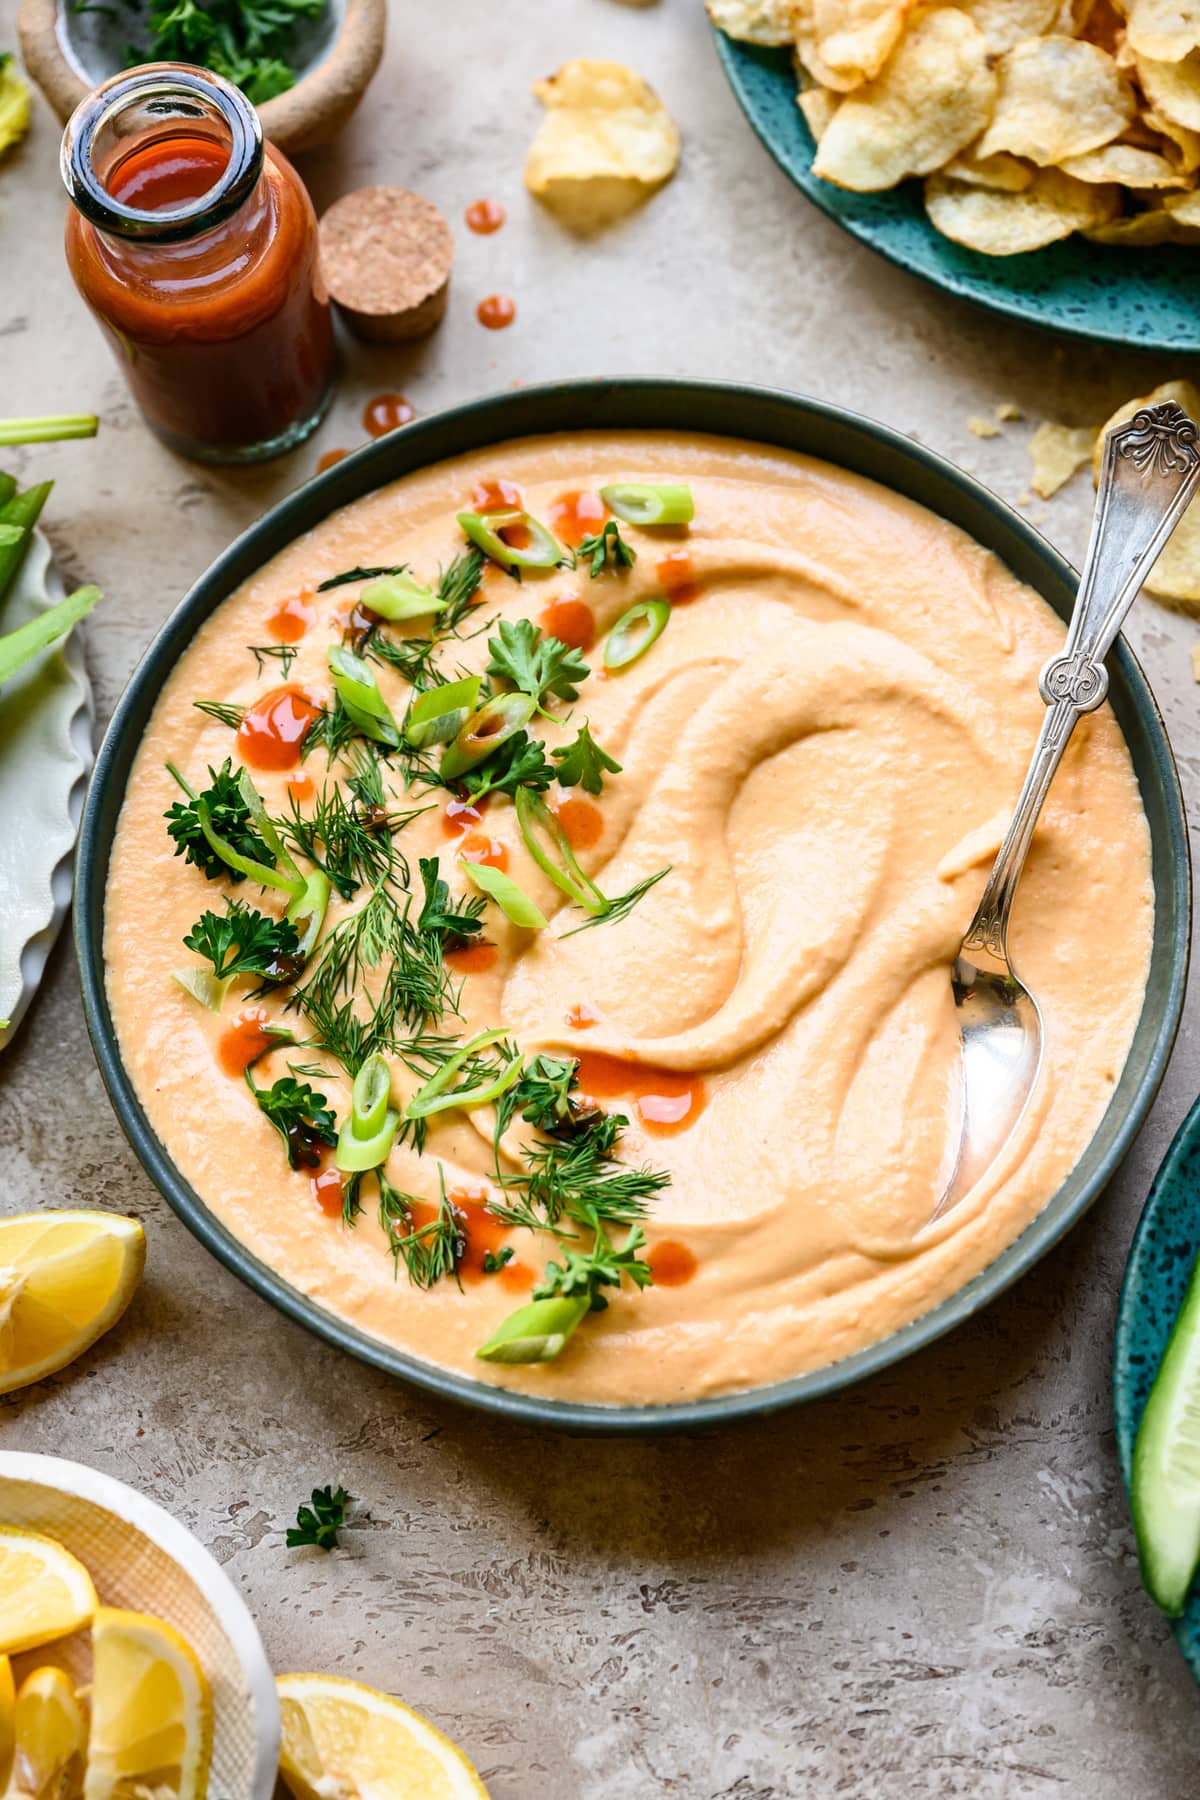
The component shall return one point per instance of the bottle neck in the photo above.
(165, 155)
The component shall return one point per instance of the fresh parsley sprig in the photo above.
(519, 762)
(230, 817)
(451, 922)
(246, 942)
(584, 763)
(301, 1117)
(535, 664)
(320, 1523)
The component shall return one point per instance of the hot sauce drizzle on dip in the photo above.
(671, 1263)
(577, 515)
(569, 620)
(326, 1189)
(677, 578)
(472, 959)
(459, 816)
(273, 729)
(582, 822)
(292, 618)
(497, 496)
(244, 1041)
(665, 1100)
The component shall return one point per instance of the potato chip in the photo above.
(1137, 231)
(1000, 224)
(1196, 662)
(1001, 171)
(1097, 22)
(980, 427)
(1177, 143)
(1167, 30)
(1173, 88)
(1183, 209)
(811, 65)
(934, 96)
(1058, 452)
(1127, 164)
(1006, 23)
(1176, 575)
(854, 38)
(818, 106)
(606, 143)
(753, 21)
(1057, 98)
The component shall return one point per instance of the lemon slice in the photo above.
(151, 1711)
(51, 1734)
(8, 1724)
(341, 1739)
(44, 1591)
(65, 1277)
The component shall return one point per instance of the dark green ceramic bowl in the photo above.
(686, 406)
(1109, 292)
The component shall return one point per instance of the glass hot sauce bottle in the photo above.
(195, 245)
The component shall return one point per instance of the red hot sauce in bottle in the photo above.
(194, 243)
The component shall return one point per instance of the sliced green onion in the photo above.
(496, 721)
(433, 1096)
(355, 1154)
(369, 1100)
(537, 1332)
(359, 693)
(17, 647)
(307, 911)
(265, 825)
(402, 596)
(512, 900)
(50, 429)
(543, 551)
(244, 865)
(209, 989)
(557, 859)
(635, 631)
(440, 714)
(650, 503)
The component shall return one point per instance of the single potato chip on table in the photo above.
(606, 143)
(934, 96)
(1058, 452)
(1057, 98)
(1175, 577)
(1005, 224)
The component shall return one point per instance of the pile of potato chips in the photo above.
(1029, 119)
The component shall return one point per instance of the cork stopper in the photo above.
(386, 255)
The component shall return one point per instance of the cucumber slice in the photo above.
(1165, 1488)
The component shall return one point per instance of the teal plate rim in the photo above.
(1142, 299)
(762, 415)
(1165, 1246)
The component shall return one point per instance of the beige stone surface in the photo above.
(925, 1588)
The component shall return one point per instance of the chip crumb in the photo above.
(1024, 498)
(983, 428)
(1058, 452)
(1196, 662)
(1008, 409)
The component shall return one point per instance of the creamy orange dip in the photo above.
(822, 746)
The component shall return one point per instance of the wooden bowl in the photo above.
(68, 53)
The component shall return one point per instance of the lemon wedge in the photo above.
(151, 1711)
(8, 1720)
(342, 1739)
(65, 1277)
(44, 1591)
(51, 1735)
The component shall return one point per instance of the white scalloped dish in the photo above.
(46, 754)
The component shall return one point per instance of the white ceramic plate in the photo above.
(142, 1559)
(46, 720)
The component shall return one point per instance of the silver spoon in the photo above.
(1151, 470)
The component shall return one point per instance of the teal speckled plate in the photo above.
(1165, 1246)
(1143, 298)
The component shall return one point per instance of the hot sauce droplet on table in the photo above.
(496, 312)
(387, 412)
(665, 1100)
(273, 729)
(484, 217)
(329, 458)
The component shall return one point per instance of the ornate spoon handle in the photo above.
(1151, 470)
